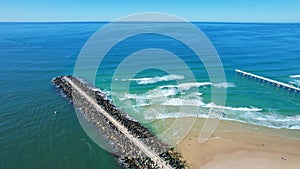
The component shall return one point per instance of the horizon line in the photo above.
(249, 22)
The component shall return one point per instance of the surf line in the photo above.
(290, 87)
(136, 146)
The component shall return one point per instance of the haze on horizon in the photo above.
(198, 11)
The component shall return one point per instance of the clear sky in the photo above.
(193, 10)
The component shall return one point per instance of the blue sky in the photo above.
(198, 10)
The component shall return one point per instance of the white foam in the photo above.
(224, 85)
(295, 76)
(183, 102)
(153, 96)
(295, 127)
(155, 93)
(156, 79)
(246, 109)
(141, 103)
(129, 96)
(198, 94)
(155, 116)
(188, 86)
(251, 115)
(267, 119)
(158, 93)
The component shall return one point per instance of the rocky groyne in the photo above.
(129, 154)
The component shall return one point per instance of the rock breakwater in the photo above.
(130, 155)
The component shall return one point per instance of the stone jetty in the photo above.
(135, 145)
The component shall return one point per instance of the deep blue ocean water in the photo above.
(31, 54)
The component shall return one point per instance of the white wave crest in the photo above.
(129, 96)
(246, 109)
(157, 93)
(152, 94)
(158, 116)
(267, 119)
(142, 103)
(183, 102)
(295, 76)
(188, 86)
(198, 94)
(156, 79)
(224, 85)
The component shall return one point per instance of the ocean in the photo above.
(33, 136)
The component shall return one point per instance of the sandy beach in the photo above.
(237, 145)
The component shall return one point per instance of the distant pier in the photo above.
(270, 81)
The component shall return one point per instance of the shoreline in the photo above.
(234, 145)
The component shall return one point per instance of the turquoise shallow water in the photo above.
(32, 136)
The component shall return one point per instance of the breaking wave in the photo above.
(188, 86)
(183, 86)
(152, 94)
(156, 79)
(175, 96)
(295, 76)
(246, 109)
(249, 115)
(224, 85)
(268, 119)
(183, 102)
(295, 79)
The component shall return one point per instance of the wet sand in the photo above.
(237, 145)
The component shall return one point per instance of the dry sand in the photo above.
(239, 146)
